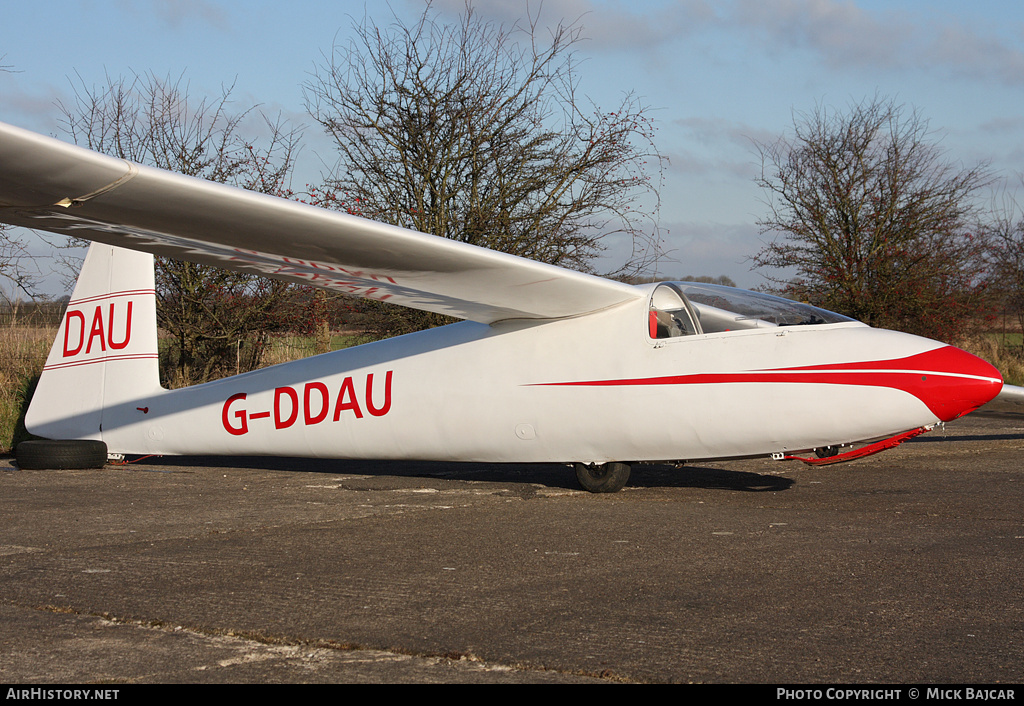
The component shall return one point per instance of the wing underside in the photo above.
(50, 185)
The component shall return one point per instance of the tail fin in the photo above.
(105, 353)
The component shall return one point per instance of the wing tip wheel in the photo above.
(602, 478)
(49, 454)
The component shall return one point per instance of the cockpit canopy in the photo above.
(685, 308)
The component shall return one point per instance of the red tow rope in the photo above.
(868, 450)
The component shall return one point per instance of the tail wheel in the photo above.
(602, 478)
(60, 454)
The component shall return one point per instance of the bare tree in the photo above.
(1005, 229)
(17, 264)
(19, 267)
(872, 219)
(218, 321)
(475, 132)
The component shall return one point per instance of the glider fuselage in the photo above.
(591, 389)
(549, 365)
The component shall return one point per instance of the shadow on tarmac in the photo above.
(549, 475)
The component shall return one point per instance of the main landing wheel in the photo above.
(50, 454)
(602, 478)
(826, 451)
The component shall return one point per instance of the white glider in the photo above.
(550, 365)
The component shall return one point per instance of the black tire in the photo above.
(603, 478)
(60, 454)
(826, 451)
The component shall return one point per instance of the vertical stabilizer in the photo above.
(105, 353)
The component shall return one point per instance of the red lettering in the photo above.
(316, 404)
(242, 424)
(127, 328)
(347, 392)
(99, 334)
(279, 421)
(80, 317)
(381, 411)
(325, 402)
(96, 330)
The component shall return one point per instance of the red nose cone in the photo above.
(954, 382)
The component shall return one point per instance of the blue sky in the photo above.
(719, 76)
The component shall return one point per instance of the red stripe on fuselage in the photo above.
(951, 382)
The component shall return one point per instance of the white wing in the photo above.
(51, 185)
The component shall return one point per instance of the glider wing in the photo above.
(51, 185)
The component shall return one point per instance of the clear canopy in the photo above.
(717, 308)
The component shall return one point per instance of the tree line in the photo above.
(476, 132)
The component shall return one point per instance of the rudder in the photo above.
(105, 353)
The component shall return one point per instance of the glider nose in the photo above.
(954, 382)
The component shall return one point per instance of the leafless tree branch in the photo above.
(218, 321)
(873, 219)
(476, 132)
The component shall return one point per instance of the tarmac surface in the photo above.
(903, 568)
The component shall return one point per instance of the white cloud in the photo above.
(845, 35)
(611, 25)
(714, 249)
(178, 13)
(966, 52)
(842, 34)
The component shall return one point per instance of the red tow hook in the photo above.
(868, 450)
